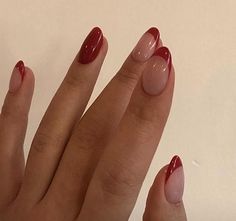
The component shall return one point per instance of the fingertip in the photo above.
(156, 197)
(157, 207)
(168, 92)
(23, 96)
(29, 74)
(96, 60)
(104, 49)
(160, 43)
(28, 81)
(105, 44)
(159, 183)
(18, 99)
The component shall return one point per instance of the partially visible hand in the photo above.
(91, 167)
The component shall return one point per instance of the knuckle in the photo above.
(73, 79)
(128, 77)
(119, 181)
(146, 115)
(43, 140)
(140, 115)
(15, 113)
(85, 139)
(6, 111)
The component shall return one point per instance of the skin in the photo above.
(79, 167)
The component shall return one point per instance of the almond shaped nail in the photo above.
(164, 52)
(146, 46)
(91, 46)
(174, 182)
(17, 76)
(21, 67)
(156, 73)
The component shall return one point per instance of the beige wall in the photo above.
(47, 34)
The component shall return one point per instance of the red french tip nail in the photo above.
(91, 46)
(174, 164)
(155, 32)
(165, 54)
(21, 67)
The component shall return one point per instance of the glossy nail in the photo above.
(174, 183)
(147, 45)
(156, 72)
(17, 76)
(165, 54)
(91, 46)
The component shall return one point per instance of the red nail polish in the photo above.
(91, 46)
(155, 32)
(165, 54)
(21, 67)
(174, 164)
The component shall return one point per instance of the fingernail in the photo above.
(146, 46)
(17, 76)
(174, 183)
(91, 46)
(156, 72)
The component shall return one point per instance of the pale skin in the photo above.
(85, 168)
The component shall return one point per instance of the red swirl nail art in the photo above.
(165, 54)
(174, 164)
(21, 67)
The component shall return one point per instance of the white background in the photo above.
(201, 35)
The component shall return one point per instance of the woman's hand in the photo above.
(91, 167)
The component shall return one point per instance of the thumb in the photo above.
(164, 201)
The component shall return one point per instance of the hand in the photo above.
(91, 167)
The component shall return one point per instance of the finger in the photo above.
(164, 201)
(65, 109)
(118, 178)
(96, 127)
(13, 125)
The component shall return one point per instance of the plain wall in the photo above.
(201, 35)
